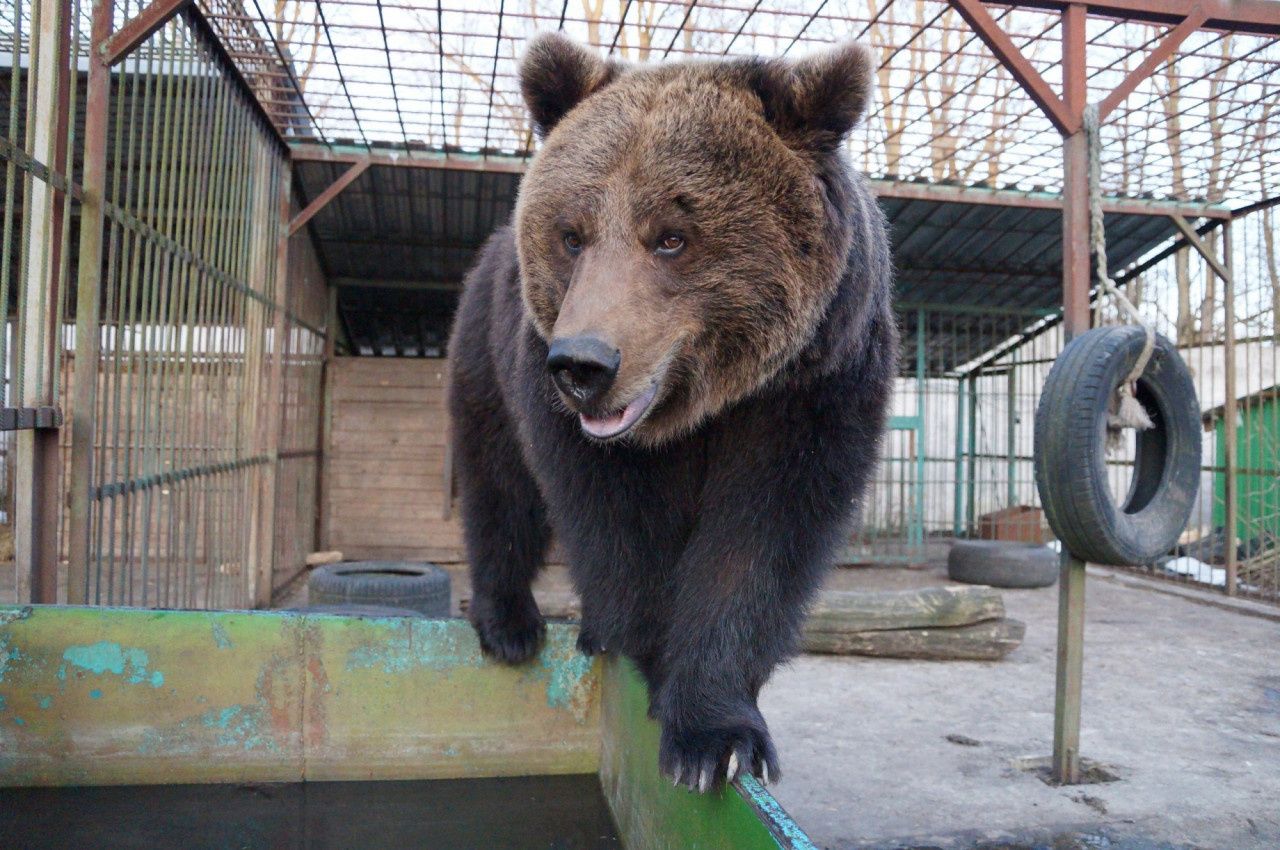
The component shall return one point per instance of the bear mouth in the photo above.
(615, 424)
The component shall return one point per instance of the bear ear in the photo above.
(556, 75)
(814, 102)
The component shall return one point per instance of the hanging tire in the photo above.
(1000, 563)
(1070, 449)
(392, 584)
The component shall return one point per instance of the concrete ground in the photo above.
(1181, 701)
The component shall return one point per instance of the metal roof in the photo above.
(398, 241)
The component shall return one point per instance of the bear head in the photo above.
(680, 233)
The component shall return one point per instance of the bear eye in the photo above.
(573, 243)
(670, 244)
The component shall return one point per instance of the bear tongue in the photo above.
(604, 427)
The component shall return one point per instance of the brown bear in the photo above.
(679, 361)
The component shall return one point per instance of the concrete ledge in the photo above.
(1248, 607)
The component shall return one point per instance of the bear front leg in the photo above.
(771, 515)
(506, 532)
(729, 630)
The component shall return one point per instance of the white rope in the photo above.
(1128, 412)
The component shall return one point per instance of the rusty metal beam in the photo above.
(1039, 200)
(300, 220)
(1008, 54)
(88, 301)
(1155, 59)
(138, 29)
(1252, 17)
(1203, 250)
(1075, 311)
(411, 159)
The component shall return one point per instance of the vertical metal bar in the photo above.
(1011, 439)
(971, 509)
(1075, 305)
(958, 525)
(1230, 412)
(917, 522)
(274, 403)
(88, 328)
(324, 465)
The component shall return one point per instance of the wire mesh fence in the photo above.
(957, 461)
(205, 348)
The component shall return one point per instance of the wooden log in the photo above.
(987, 641)
(851, 611)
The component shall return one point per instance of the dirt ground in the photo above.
(1181, 701)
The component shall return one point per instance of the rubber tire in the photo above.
(1001, 563)
(378, 611)
(1070, 449)
(390, 584)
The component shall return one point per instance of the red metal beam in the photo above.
(410, 159)
(1154, 59)
(1252, 17)
(1039, 200)
(998, 41)
(1075, 178)
(138, 29)
(301, 219)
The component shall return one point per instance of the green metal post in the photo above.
(959, 463)
(917, 530)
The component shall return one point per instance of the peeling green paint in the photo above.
(95, 694)
(417, 644)
(45, 702)
(2, 705)
(107, 657)
(19, 721)
(220, 637)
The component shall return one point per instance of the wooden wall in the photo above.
(386, 461)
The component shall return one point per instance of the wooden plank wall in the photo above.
(386, 460)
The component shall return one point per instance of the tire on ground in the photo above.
(396, 584)
(376, 611)
(1000, 563)
(1070, 449)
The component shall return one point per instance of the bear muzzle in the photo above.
(584, 369)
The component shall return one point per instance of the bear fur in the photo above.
(696, 231)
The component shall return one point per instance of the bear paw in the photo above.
(511, 633)
(702, 759)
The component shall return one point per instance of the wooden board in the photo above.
(930, 607)
(987, 641)
(92, 696)
(386, 462)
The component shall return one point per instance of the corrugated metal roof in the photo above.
(398, 242)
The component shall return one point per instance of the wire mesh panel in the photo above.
(187, 296)
(1226, 333)
(205, 361)
(957, 461)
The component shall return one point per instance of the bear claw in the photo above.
(705, 759)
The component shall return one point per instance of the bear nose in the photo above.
(583, 367)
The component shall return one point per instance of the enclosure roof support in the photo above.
(1153, 60)
(998, 41)
(138, 29)
(300, 220)
(1203, 250)
(1252, 17)
(400, 158)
